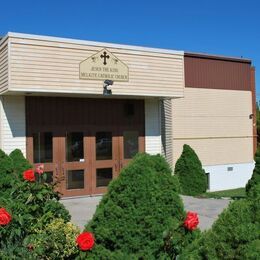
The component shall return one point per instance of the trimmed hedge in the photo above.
(235, 234)
(191, 175)
(6, 174)
(253, 185)
(139, 209)
(20, 164)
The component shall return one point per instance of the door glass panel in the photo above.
(103, 177)
(75, 179)
(103, 146)
(130, 144)
(42, 147)
(49, 177)
(74, 147)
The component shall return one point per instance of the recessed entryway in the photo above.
(83, 143)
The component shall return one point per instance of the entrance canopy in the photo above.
(40, 64)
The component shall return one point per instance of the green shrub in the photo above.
(6, 177)
(139, 209)
(191, 175)
(253, 185)
(20, 164)
(55, 241)
(235, 234)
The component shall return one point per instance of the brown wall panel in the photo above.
(203, 71)
(59, 113)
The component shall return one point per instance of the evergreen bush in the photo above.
(140, 207)
(235, 234)
(253, 185)
(191, 175)
(20, 164)
(6, 174)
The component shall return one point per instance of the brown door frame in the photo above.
(99, 164)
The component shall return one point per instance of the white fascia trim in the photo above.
(91, 43)
(37, 90)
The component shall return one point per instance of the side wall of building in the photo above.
(215, 119)
(13, 126)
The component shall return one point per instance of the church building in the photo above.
(83, 109)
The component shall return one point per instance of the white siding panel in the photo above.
(13, 127)
(229, 176)
(153, 144)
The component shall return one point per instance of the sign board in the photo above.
(103, 65)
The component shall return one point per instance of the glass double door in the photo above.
(83, 162)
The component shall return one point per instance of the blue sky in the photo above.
(225, 27)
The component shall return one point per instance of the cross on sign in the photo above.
(105, 57)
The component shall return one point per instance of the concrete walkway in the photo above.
(82, 209)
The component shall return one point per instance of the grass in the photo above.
(234, 194)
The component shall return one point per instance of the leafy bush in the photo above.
(137, 213)
(253, 185)
(191, 175)
(55, 241)
(235, 234)
(32, 204)
(20, 164)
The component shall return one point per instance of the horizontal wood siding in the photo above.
(42, 66)
(12, 132)
(216, 124)
(203, 72)
(3, 67)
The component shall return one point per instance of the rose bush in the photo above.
(191, 222)
(29, 175)
(34, 204)
(85, 241)
(5, 217)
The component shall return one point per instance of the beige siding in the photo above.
(3, 67)
(46, 66)
(215, 123)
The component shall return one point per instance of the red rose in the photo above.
(40, 169)
(85, 241)
(5, 217)
(191, 221)
(29, 175)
